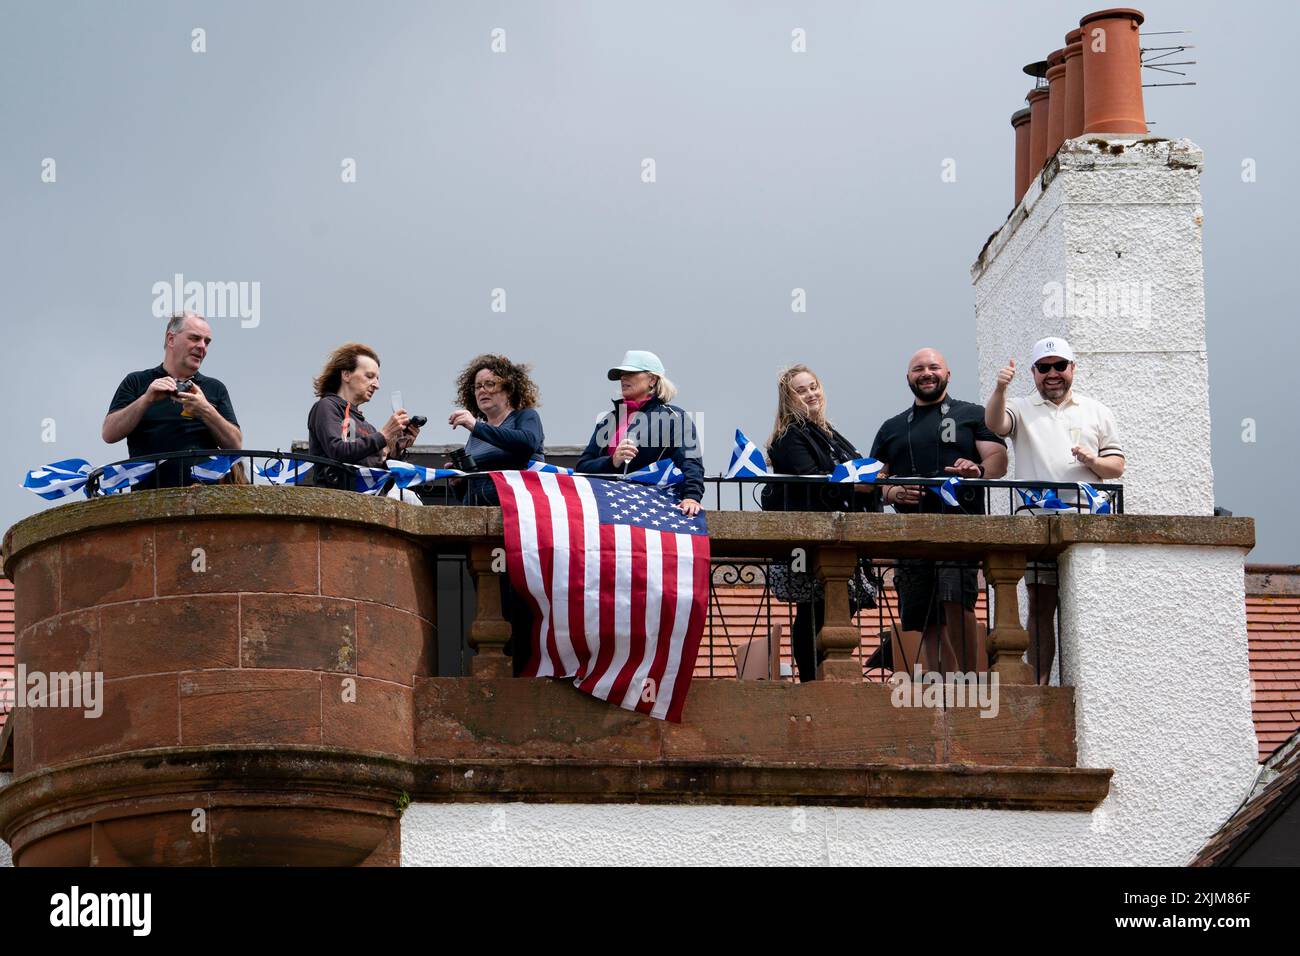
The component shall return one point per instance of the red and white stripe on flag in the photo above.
(618, 582)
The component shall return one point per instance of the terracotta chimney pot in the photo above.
(1037, 130)
(1073, 125)
(1112, 72)
(1055, 105)
(1020, 123)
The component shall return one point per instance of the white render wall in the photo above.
(1154, 641)
(5, 858)
(1105, 222)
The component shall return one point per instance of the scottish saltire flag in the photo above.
(214, 468)
(58, 480)
(618, 581)
(117, 479)
(948, 491)
(1043, 498)
(859, 469)
(282, 472)
(370, 481)
(1098, 501)
(662, 473)
(407, 475)
(543, 468)
(747, 460)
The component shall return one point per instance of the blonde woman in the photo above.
(804, 442)
(643, 428)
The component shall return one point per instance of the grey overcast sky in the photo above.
(521, 170)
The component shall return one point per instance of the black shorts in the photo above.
(924, 585)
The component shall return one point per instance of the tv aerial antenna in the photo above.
(1157, 57)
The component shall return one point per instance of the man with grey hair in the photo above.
(172, 408)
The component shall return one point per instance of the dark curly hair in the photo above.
(521, 390)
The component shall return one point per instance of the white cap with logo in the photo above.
(1053, 345)
(637, 361)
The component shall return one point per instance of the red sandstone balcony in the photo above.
(289, 693)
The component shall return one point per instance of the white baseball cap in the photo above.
(1053, 345)
(636, 361)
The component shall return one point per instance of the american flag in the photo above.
(618, 580)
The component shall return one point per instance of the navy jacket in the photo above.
(660, 431)
(506, 447)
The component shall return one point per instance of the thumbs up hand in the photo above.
(1006, 374)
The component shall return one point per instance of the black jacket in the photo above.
(337, 429)
(660, 431)
(804, 449)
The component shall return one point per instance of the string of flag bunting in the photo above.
(62, 479)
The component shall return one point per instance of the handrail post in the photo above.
(489, 631)
(1008, 641)
(839, 635)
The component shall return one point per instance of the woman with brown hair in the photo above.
(505, 431)
(804, 442)
(337, 429)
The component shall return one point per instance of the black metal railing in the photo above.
(744, 615)
(749, 493)
(182, 464)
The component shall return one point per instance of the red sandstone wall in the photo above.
(254, 649)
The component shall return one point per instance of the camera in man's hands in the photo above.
(417, 421)
(184, 385)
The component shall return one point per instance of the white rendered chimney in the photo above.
(1105, 249)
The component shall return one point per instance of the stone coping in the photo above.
(83, 784)
(748, 533)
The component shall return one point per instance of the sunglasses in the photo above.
(1045, 367)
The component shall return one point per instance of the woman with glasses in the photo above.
(505, 431)
(803, 442)
(505, 434)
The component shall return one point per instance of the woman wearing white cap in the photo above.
(643, 428)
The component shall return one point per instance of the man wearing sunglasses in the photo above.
(1057, 435)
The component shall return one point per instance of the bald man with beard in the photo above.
(938, 437)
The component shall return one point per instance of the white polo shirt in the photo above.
(1041, 436)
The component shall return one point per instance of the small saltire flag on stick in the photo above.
(543, 468)
(407, 475)
(747, 460)
(662, 473)
(370, 481)
(618, 581)
(948, 491)
(1099, 502)
(1043, 498)
(214, 468)
(857, 470)
(58, 480)
(118, 479)
(282, 472)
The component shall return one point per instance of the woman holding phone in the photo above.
(336, 427)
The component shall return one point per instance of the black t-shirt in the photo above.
(164, 429)
(926, 439)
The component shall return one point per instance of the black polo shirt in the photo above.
(926, 439)
(164, 429)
